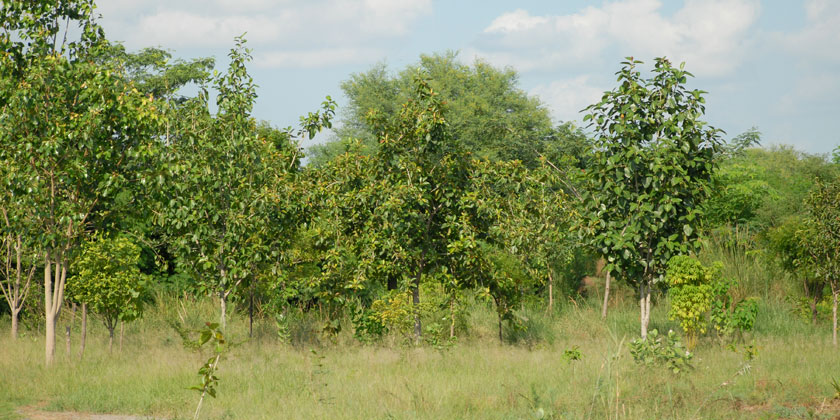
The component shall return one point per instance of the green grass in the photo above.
(477, 378)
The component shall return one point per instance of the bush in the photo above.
(658, 350)
(701, 298)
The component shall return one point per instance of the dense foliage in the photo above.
(447, 187)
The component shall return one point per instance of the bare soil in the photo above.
(35, 413)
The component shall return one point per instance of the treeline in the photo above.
(445, 183)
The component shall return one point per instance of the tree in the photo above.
(790, 242)
(486, 110)
(652, 168)
(823, 239)
(19, 261)
(400, 217)
(227, 210)
(528, 215)
(70, 128)
(108, 280)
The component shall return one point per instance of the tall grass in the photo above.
(477, 378)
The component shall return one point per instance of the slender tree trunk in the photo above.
(67, 340)
(50, 338)
(452, 317)
(54, 280)
(550, 291)
(834, 317)
(415, 300)
(814, 310)
(251, 313)
(606, 296)
(647, 308)
(15, 313)
(67, 331)
(501, 340)
(223, 304)
(122, 333)
(110, 339)
(644, 305)
(83, 334)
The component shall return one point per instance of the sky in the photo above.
(770, 64)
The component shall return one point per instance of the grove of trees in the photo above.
(445, 184)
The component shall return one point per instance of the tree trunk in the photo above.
(67, 331)
(644, 305)
(15, 313)
(251, 313)
(17, 291)
(50, 338)
(501, 340)
(122, 333)
(83, 334)
(452, 317)
(110, 339)
(647, 308)
(834, 318)
(606, 296)
(67, 340)
(53, 297)
(223, 304)
(550, 292)
(814, 310)
(415, 300)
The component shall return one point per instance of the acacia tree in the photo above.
(487, 112)
(823, 240)
(652, 167)
(69, 129)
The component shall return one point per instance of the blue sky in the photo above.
(766, 63)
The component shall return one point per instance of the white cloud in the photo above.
(282, 29)
(317, 58)
(566, 98)
(819, 38)
(708, 34)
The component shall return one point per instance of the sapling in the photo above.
(209, 380)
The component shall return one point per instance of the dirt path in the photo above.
(33, 413)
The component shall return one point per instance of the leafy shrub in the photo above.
(701, 298)
(367, 325)
(572, 354)
(729, 316)
(659, 350)
(691, 291)
(109, 280)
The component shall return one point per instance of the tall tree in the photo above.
(70, 129)
(228, 185)
(652, 166)
(487, 112)
(824, 239)
(400, 216)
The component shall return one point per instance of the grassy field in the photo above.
(477, 378)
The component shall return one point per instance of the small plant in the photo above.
(728, 316)
(282, 323)
(659, 350)
(836, 385)
(690, 289)
(367, 327)
(434, 334)
(209, 380)
(701, 298)
(573, 354)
